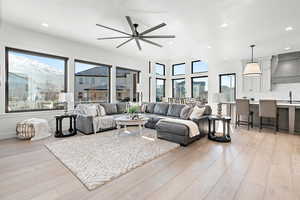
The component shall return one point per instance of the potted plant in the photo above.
(132, 111)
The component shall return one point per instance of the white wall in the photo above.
(12, 36)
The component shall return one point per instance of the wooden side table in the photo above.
(212, 130)
(71, 131)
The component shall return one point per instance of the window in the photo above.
(200, 88)
(160, 89)
(178, 88)
(178, 69)
(33, 80)
(160, 69)
(228, 86)
(92, 82)
(126, 82)
(199, 66)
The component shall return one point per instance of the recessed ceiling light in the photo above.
(289, 28)
(209, 47)
(45, 25)
(287, 48)
(170, 43)
(224, 25)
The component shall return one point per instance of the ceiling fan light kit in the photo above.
(135, 35)
(252, 68)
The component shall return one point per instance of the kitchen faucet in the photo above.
(291, 97)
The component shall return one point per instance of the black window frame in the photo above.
(95, 63)
(192, 68)
(173, 84)
(164, 73)
(164, 94)
(192, 91)
(220, 79)
(173, 69)
(33, 53)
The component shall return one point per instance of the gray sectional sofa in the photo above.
(170, 131)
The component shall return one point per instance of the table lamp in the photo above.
(66, 97)
(219, 98)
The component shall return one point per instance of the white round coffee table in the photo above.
(126, 121)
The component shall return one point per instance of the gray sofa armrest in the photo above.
(85, 124)
(202, 124)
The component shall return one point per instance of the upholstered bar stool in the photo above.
(243, 109)
(268, 109)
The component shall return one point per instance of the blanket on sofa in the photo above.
(193, 127)
(103, 122)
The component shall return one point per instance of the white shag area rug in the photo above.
(98, 159)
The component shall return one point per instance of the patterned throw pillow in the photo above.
(197, 112)
(186, 112)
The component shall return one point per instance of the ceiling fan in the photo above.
(135, 35)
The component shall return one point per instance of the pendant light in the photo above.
(252, 68)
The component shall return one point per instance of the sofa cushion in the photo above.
(186, 112)
(121, 107)
(150, 108)
(175, 110)
(110, 108)
(161, 108)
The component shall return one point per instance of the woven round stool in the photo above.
(25, 131)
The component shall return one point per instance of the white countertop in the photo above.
(286, 105)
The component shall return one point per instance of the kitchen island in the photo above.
(289, 114)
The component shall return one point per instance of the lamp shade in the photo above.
(138, 87)
(252, 69)
(65, 97)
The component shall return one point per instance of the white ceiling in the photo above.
(196, 24)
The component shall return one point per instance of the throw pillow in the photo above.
(186, 112)
(101, 110)
(143, 108)
(197, 112)
(91, 110)
(175, 110)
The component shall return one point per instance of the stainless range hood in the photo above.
(286, 68)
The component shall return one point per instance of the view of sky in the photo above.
(59, 64)
(79, 66)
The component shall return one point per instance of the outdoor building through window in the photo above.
(160, 89)
(228, 86)
(91, 82)
(34, 80)
(126, 82)
(178, 88)
(200, 88)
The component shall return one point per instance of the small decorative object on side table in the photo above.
(226, 128)
(72, 130)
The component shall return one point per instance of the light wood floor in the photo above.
(254, 166)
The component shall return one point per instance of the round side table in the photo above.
(212, 128)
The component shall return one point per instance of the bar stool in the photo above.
(268, 109)
(243, 109)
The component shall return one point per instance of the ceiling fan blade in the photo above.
(158, 36)
(108, 38)
(124, 43)
(113, 29)
(150, 42)
(131, 25)
(138, 43)
(153, 28)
